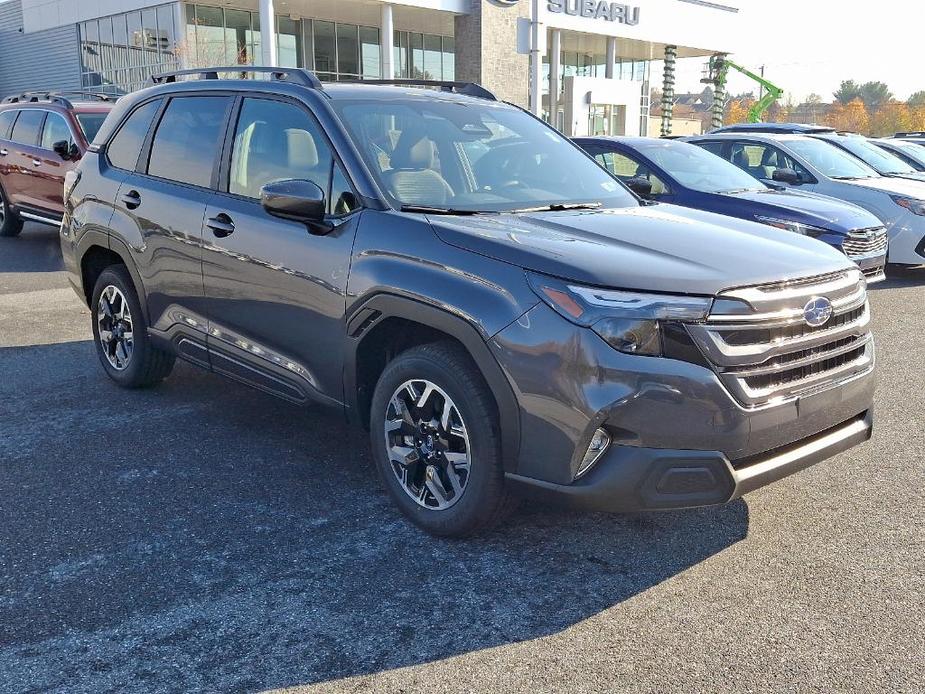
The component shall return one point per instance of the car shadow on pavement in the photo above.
(201, 535)
(37, 249)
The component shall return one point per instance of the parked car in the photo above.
(500, 312)
(911, 152)
(808, 164)
(883, 162)
(42, 136)
(684, 174)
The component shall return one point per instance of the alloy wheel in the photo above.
(114, 321)
(2, 209)
(427, 444)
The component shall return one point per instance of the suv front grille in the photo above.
(866, 243)
(763, 350)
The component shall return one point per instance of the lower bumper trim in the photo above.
(639, 479)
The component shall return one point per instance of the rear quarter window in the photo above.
(28, 127)
(191, 125)
(125, 147)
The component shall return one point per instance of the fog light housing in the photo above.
(600, 442)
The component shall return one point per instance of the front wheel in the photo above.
(121, 335)
(434, 431)
(10, 222)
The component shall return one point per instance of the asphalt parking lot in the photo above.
(203, 536)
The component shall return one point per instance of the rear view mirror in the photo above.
(302, 201)
(786, 176)
(641, 186)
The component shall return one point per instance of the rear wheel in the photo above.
(434, 431)
(10, 222)
(126, 352)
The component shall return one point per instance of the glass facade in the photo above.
(424, 56)
(120, 52)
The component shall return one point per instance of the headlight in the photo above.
(795, 227)
(912, 204)
(631, 322)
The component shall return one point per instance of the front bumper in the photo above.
(664, 416)
(639, 479)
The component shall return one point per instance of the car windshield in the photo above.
(880, 160)
(829, 160)
(473, 156)
(698, 169)
(910, 149)
(90, 123)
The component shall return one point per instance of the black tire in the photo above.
(147, 364)
(484, 499)
(10, 222)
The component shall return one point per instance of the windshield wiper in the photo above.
(736, 190)
(559, 207)
(426, 209)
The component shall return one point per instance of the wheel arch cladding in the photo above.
(387, 324)
(97, 256)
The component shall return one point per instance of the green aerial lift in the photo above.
(718, 71)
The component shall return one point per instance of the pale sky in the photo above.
(812, 45)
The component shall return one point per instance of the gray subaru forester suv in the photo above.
(499, 312)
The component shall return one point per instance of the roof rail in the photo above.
(466, 88)
(915, 133)
(56, 97)
(296, 75)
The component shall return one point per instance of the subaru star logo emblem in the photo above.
(817, 311)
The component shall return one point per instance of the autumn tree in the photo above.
(890, 118)
(737, 111)
(851, 117)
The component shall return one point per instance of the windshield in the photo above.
(698, 169)
(910, 149)
(880, 160)
(473, 156)
(829, 159)
(90, 123)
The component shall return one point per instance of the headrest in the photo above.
(413, 151)
(303, 154)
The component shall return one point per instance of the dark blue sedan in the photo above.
(679, 173)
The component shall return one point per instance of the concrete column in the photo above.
(611, 57)
(671, 55)
(555, 68)
(536, 60)
(268, 33)
(386, 42)
(179, 19)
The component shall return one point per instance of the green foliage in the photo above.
(847, 92)
(917, 99)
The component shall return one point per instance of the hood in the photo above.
(659, 248)
(827, 213)
(894, 186)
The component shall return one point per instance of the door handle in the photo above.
(131, 199)
(36, 162)
(221, 225)
(4, 152)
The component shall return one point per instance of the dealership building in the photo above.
(584, 65)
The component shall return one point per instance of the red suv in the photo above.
(42, 136)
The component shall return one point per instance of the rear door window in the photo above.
(6, 123)
(125, 147)
(28, 127)
(188, 139)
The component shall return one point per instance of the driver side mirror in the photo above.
(787, 176)
(641, 186)
(66, 150)
(298, 200)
